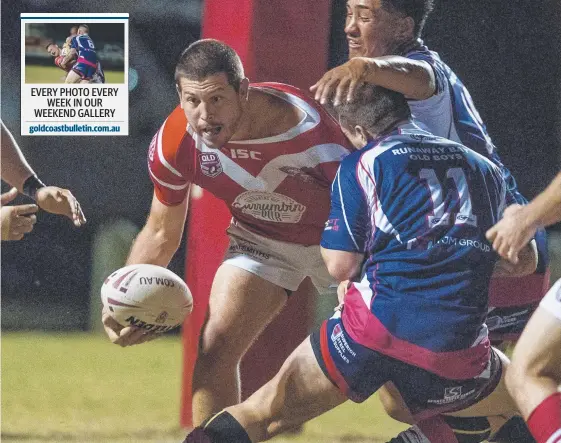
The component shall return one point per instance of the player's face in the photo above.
(213, 107)
(373, 31)
(54, 50)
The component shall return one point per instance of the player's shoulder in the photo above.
(294, 95)
(172, 132)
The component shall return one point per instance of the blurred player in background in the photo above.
(534, 378)
(271, 153)
(82, 47)
(406, 226)
(19, 220)
(385, 48)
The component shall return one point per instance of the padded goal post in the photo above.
(287, 41)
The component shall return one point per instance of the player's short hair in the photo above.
(418, 10)
(85, 27)
(207, 57)
(374, 108)
(49, 44)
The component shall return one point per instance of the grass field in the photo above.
(52, 74)
(80, 388)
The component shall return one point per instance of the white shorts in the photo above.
(283, 264)
(552, 300)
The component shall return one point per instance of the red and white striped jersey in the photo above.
(277, 187)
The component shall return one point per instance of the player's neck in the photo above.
(266, 116)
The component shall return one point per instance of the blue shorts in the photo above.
(359, 372)
(84, 71)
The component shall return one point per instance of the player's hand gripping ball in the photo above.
(148, 297)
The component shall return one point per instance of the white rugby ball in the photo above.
(147, 296)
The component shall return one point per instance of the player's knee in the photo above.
(216, 346)
(394, 408)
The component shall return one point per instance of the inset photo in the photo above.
(75, 53)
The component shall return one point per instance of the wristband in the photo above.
(31, 185)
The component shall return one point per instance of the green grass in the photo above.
(80, 388)
(52, 74)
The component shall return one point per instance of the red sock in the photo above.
(437, 430)
(545, 421)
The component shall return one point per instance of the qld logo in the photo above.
(210, 164)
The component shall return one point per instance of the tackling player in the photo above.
(405, 224)
(66, 64)
(19, 220)
(270, 152)
(385, 49)
(534, 377)
(82, 47)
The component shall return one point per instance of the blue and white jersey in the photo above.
(418, 206)
(450, 113)
(85, 48)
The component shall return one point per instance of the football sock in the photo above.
(221, 428)
(545, 421)
(469, 429)
(431, 430)
(513, 431)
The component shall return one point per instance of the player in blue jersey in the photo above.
(406, 227)
(87, 66)
(385, 49)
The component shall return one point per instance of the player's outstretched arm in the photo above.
(413, 78)
(155, 244)
(15, 169)
(161, 235)
(519, 223)
(17, 172)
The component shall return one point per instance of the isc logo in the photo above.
(244, 153)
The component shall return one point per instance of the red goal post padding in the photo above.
(285, 42)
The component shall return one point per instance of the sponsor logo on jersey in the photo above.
(210, 164)
(453, 392)
(332, 224)
(269, 206)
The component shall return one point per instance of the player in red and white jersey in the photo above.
(274, 186)
(534, 378)
(270, 153)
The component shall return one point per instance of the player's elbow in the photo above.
(341, 265)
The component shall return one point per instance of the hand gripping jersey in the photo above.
(277, 187)
(418, 207)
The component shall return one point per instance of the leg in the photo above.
(394, 405)
(534, 378)
(298, 393)
(241, 305)
(72, 77)
(535, 373)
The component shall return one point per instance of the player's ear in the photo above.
(244, 89)
(362, 134)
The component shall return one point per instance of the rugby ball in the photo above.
(147, 296)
